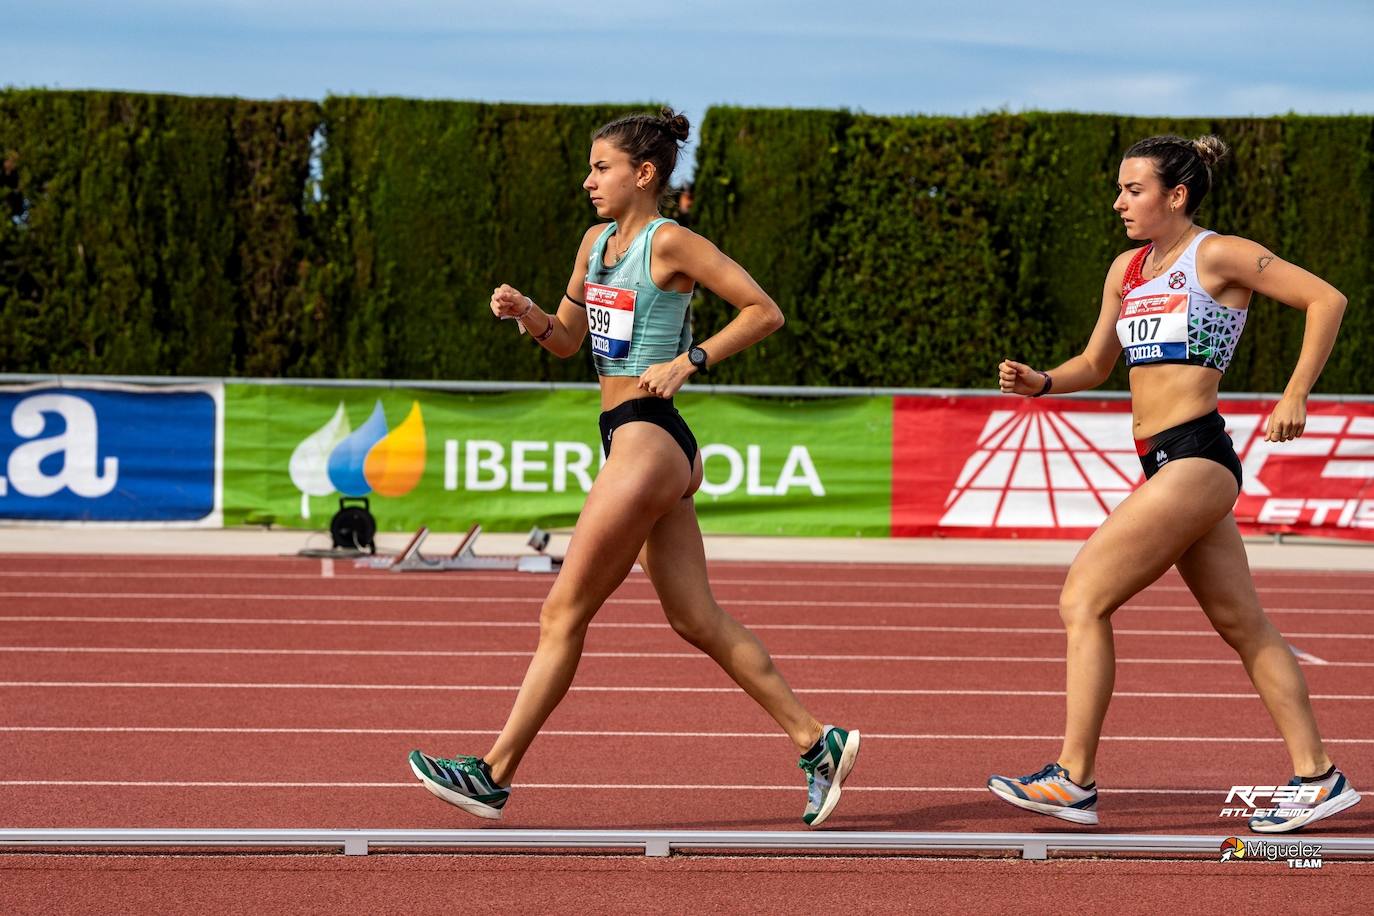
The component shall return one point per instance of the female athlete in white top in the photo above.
(1177, 307)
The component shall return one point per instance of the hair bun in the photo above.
(1211, 149)
(677, 124)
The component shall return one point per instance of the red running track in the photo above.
(215, 692)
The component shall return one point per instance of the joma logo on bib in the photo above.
(1148, 351)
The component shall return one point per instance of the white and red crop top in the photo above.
(1172, 319)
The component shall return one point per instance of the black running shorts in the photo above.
(658, 411)
(1204, 437)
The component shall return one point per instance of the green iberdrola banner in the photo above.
(511, 460)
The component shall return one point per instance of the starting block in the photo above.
(465, 557)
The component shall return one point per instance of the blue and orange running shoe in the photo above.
(827, 766)
(1049, 791)
(1314, 800)
(462, 781)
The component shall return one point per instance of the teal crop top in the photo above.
(633, 324)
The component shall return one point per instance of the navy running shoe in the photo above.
(1311, 802)
(1049, 791)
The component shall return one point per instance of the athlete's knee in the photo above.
(1079, 608)
(698, 625)
(1242, 627)
(562, 620)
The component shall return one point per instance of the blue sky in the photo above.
(1168, 58)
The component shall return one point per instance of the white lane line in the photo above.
(555, 733)
(693, 787)
(1306, 656)
(716, 581)
(326, 567)
(511, 688)
(619, 625)
(613, 602)
(696, 656)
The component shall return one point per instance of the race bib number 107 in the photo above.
(610, 319)
(1154, 328)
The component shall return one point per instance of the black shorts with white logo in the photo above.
(658, 411)
(1204, 437)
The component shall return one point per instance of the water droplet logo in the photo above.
(395, 463)
(346, 461)
(310, 461)
(358, 462)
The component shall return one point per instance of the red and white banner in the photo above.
(970, 466)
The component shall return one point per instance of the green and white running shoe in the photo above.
(462, 781)
(827, 765)
(1310, 801)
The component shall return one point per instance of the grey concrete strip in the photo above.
(1265, 553)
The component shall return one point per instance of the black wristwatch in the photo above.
(697, 357)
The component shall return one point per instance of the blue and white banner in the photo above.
(96, 452)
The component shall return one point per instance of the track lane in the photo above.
(720, 706)
(764, 757)
(666, 664)
(490, 634)
(387, 596)
(628, 883)
(903, 783)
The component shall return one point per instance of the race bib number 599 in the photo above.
(610, 319)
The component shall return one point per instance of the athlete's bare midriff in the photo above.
(617, 389)
(1164, 396)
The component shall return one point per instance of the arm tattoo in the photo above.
(1264, 262)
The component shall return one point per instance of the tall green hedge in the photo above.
(926, 249)
(427, 206)
(362, 237)
(770, 205)
(148, 234)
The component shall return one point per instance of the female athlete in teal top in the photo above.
(630, 289)
(633, 324)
